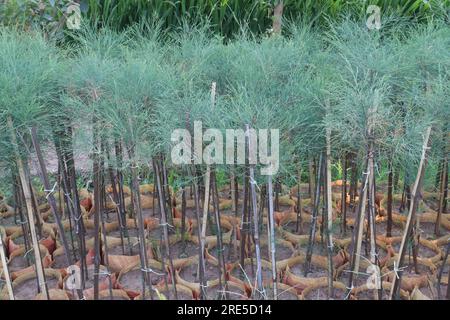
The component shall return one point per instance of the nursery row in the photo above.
(93, 199)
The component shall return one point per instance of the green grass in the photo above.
(226, 17)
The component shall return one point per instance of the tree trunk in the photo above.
(277, 17)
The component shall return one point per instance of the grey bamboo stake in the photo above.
(443, 182)
(183, 217)
(371, 197)
(205, 214)
(244, 220)
(102, 217)
(272, 237)
(411, 217)
(311, 180)
(312, 230)
(202, 279)
(259, 279)
(26, 189)
(390, 188)
(299, 202)
(164, 223)
(371, 218)
(192, 172)
(146, 274)
(23, 221)
(329, 214)
(5, 270)
(97, 208)
(344, 196)
(358, 232)
(220, 255)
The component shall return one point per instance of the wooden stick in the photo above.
(329, 204)
(344, 196)
(29, 208)
(5, 270)
(411, 217)
(312, 229)
(443, 186)
(220, 249)
(390, 188)
(358, 232)
(272, 237)
(299, 202)
(156, 169)
(259, 278)
(146, 275)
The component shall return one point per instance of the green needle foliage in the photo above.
(140, 84)
(28, 87)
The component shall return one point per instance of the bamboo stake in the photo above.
(201, 253)
(311, 179)
(354, 182)
(183, 217)
(411, 217)
(97, 206)
(29, 209)
(102, 216)
(358, 232)
(164, 223)
(233, 191)
(5, 270)
(443, 186)
(195, 192)
(272, 237)
(244, 227)
(39, 220)
(259, 279)
(312, 230)
(371, 218)
(205, 213)
(146, 274)
(72, 179)
(220, 249)
(389, 200)
(299, 203)
(23, 221)
(344, 196)
(329, 214)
